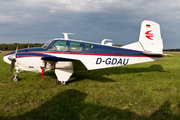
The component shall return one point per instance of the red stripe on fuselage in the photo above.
(95, 54)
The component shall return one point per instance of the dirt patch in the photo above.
(3, 84)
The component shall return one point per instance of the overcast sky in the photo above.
(36, 21)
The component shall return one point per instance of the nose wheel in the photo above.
(15, 78)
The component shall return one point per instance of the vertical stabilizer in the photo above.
(150, 40)
(150, 37)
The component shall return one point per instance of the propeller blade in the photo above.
(12, 65)
(16, 51)
(12, 58)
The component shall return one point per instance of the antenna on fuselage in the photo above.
(66, 35)
(103, 42)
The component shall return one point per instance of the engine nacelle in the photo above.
(33, 64)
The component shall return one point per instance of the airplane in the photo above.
(65, 55)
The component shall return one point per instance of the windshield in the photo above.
(47, 44)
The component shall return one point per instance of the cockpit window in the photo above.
(47, 44)
(75, 46)
(88, 46)
(59, 45)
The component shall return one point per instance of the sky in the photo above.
(37, 21)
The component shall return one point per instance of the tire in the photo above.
(58, 82)
(13, 78)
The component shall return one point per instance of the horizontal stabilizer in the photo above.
(152, 54)
(169, 55)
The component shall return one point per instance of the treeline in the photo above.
(117, 45)
(174, 50)
(10, 47)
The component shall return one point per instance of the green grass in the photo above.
(141, 91)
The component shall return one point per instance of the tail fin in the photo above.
(150, 39)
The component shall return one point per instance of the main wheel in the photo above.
(64, 82)
(61, 82)
(58, 82)
(15, 78)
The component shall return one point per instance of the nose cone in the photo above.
(5, 58)
(9, 57)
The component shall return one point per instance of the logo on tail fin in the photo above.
(149, 35)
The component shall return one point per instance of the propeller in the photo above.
(12, 58)
(12, 65)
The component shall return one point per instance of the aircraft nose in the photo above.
(5, 58)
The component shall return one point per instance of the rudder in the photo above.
(150, 37)
(150, 40)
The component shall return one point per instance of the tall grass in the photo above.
(141, 91)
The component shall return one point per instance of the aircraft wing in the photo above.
(77, 64)
(53, 58)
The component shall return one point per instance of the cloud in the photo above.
(33, 8)
(69, 5)
(91, 20)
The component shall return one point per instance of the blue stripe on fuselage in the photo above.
(97, 49)
(26, 50)
(102, 49)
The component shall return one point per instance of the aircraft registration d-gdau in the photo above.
(65, 55)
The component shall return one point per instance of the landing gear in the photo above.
(58, 82)
(61, 82)
(63, 71)
(15, 77)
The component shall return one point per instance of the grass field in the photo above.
(141, 91)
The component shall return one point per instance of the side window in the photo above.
(75, 46)
(59, 45)
(88, 46)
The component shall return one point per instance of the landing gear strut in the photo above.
(15, 77)
(63, 71)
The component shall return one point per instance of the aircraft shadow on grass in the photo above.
(70, 105)
(97, 75)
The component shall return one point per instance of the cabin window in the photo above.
(59, 45)
(46, 44)
(88, 46)
(75, 46)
